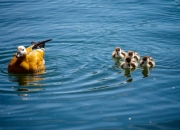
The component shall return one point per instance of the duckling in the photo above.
(134, 55)
(129, 63)
(147, 61)
(28, 60)
(119, 53)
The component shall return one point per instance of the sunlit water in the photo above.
(83, 86)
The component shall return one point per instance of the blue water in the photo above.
(83, 87)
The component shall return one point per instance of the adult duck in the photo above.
(28, 60)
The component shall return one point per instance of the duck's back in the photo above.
(35, 60)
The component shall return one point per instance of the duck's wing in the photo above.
(114, 54)
(35, 60)
(124, 53)
(150, 58)
(151, 63)
(136, 56)
(133, 64)
(38, 45)
(122, 64)
(141, 62)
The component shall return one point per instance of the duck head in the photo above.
(145, 60)
(128, 60)
(131, 54)
(118, 50)
(21, 51)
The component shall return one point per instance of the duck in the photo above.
(147, 61)
(134, 55)
(119, 53)
(28, 60)
(129, 63)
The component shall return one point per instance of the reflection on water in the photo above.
(117, 62)
(128, 71)
(23, 92)
(146, 71)
(26, 79)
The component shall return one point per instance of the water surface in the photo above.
(83, 87)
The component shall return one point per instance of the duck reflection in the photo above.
(23, 92)
(27, 83)
(146, 71)
(128, 71)
(117, 62)
(26, 80)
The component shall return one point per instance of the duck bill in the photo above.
(18, 54)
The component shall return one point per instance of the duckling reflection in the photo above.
(26, 80)
(117, 63)
(128, 71)
(146, 71)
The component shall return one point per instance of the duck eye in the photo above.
(22, 49)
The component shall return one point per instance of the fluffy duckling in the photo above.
(129, 63)
(147, 61)
(134, 55)
(119, 53)
(28, 60)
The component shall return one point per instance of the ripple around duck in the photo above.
(82, 84)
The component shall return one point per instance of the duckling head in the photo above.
(128, 60)
(131, 54)
(21, 51)
(118, 50)
(145, 59)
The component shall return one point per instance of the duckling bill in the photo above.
(28, 60)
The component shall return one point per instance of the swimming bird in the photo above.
(28, 60)
(134, 55)
(147, 61)
(129, 63)
(119, 53)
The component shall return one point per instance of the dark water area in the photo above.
(83, 86)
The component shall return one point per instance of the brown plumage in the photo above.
(147, 61)
(28, 60)
(134, 55)
(119, 53)
(129, 63)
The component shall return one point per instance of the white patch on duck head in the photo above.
(21, 51)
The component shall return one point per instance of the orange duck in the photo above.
(28, 60)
